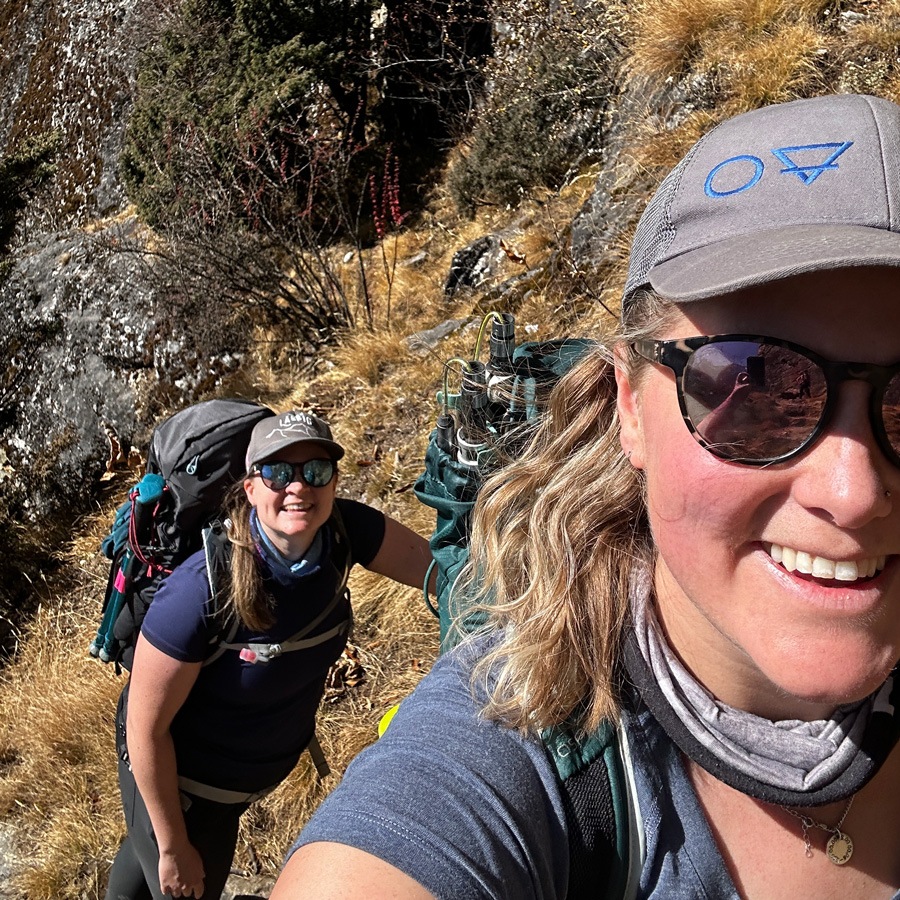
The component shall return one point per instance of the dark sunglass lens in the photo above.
(890, 411)
(318, 472)
(753, 401)
(277, 475)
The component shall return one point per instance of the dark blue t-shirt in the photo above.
(244, 725)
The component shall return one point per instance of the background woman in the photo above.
(205, 741)
(718, 574)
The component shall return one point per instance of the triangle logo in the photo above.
(809, 161)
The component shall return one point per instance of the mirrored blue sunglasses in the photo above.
(277, 474)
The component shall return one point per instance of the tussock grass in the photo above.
(771, 68)
(669, 34)
(57, 747)
(677, 36)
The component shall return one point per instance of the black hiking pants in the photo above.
(212, 829)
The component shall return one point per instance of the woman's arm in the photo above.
(403, 556)
(328, 871)
(158, 688)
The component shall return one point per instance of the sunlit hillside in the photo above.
(690, 64)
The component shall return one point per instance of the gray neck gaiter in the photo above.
(793, 761)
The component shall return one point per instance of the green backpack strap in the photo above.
(605, 845)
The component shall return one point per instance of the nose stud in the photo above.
(887, 494)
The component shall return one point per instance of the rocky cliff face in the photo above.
(68, 66)
(78, 342)
(81, 311)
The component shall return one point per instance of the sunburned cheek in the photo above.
(700, 523)
(679, 491)
(697, 502)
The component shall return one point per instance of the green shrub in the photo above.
(22, 173)
(545, 116)
(231, 120)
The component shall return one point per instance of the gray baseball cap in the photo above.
(786, 189)
(274, 433)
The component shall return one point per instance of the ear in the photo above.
(631, 431)
(249, 488)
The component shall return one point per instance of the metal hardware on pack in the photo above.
(263, 653)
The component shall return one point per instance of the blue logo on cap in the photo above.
(758, 168)
(807, 173)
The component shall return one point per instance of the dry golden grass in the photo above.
(676, 36)
(773, 68)
(750, 53)
(669, 34)
(56, 742)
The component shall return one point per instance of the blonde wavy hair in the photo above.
(556, 536)
(243, 590)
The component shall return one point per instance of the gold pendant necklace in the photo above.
(840, 846)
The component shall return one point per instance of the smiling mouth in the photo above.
(820, 567)
(296, 507)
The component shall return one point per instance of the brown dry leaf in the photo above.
(512, 254)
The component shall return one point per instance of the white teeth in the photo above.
(847, 570)
(824, 568)
(804, 562)
(789, 558)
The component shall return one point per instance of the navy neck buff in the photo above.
(283, 570)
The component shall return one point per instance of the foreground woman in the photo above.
(212, 726)
(701, 544)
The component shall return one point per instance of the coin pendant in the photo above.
(840, 848)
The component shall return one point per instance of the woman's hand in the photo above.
(181, 872)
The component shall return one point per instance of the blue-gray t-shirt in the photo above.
(472, 810)
(244, 725)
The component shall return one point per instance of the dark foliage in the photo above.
(22, 173)
(430, 57)
(544, 120)
(242, 106)
(264, 130)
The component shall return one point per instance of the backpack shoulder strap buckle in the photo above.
(260, 653)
